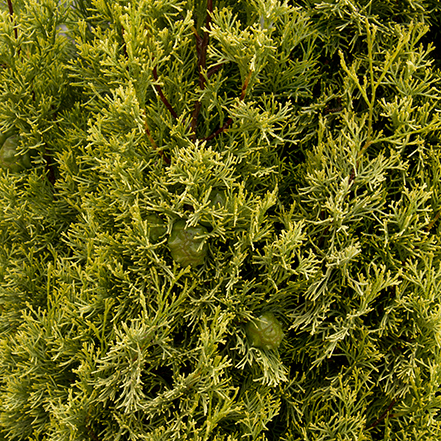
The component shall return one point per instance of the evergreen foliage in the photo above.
(290, 151)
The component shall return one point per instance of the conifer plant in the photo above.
(220, 220)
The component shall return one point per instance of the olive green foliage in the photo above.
(179, 172)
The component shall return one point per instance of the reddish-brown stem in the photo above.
(230, 120)
(201, 48)
(333, 110)
(194, 117)
(429, 227)
(219, 130)
(11, 10)
(383, 416)
(162, 96)
(150, 137)
(214, 69)
(245, 85)
(202, 44)
(124, 43)
(11, 13)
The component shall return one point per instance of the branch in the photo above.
(230, 120)
(201, 48)
(360, 153)
(432, 223)
(219, 130)
(162, 96)
(11, 13)
(150, 137)
(385, 414)
(245, 85)
(123, 42)
(214, 69)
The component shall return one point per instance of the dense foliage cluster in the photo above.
(220, 220)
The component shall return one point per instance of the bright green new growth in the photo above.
(186, 245)
(298, 142)
(266, 332)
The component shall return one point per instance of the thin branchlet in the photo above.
(150, 137)
(229, 121)
(385, 414)
(162, 96)
(11, 15)
(201, 49)
(142, 271)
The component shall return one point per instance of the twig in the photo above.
(124, 43)
(245, 86)
(201, 48)
(230, 120)
(162, 96)
(219, 130)
(194, 117)
(11, 13)
(429, 227)
(360, 153)
(214, 69)
(90, 431)
(150, 137)
(384, 415)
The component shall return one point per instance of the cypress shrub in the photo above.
(220, 220)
